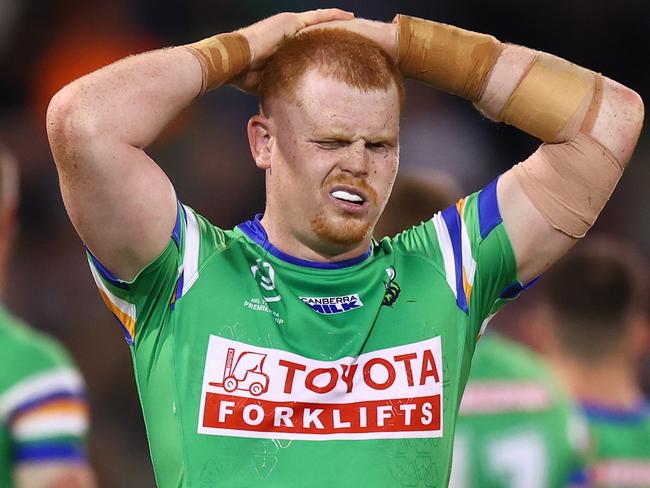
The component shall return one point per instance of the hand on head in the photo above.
(265, 36)
(384, 34)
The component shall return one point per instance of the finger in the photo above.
(323, 15)
(332, 24)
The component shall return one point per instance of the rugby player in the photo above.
(292, 349)
(517, 426)
(43, 410)
(595, 332)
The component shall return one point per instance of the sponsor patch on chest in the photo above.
(333, 305)
(251, 391)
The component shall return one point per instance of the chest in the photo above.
(322, 315)
(341, 355)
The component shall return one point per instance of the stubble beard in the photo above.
(347, 231)
(344, 229)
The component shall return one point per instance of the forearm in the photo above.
(555, 100)
(543, 95)
(132, 100)
(129, 101)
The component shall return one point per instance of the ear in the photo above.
(540, 327)
(259, 139)
(639, 335)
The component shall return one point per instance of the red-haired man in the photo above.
(293, 349)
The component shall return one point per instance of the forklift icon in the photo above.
(246, 374)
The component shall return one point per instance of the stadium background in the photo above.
(45, 44)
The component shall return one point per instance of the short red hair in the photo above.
(337, 53)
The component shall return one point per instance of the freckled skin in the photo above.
(334, 134)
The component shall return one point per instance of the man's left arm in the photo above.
(589, 125)
(553, 198)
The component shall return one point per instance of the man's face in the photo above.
(334, 156)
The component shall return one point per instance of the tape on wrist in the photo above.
(449, 58)
(222, 57)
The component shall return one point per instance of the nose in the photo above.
(356, 160)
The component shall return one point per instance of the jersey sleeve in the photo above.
(470, 246)
(45, 410)
(142, 304)
(582, 445)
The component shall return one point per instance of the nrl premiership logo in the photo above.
(333, 305)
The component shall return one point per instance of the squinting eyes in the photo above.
(330, 145)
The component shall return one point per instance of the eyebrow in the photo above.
(333, 134)
(336, 135)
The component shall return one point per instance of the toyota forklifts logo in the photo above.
(252, 391)
(244, 373)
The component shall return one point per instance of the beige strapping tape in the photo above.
(570, 183)
(454, 60)
(223, 57)
(548, 96)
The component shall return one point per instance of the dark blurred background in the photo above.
(45, 44)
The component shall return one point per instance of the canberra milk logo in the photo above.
(333, 305)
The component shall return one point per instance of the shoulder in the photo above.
(27, 347)
(501, 354)
(31, 353)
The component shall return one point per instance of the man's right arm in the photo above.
(121, 203)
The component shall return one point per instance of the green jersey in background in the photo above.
(621, 446)
(256, 368)
(43, 411)
(516, 427)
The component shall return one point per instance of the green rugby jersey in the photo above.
(255, 368)
(516, 426)
(622, 446)
(43, 412)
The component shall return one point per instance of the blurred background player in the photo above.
(43, 411)
(517, 427)
(593, 325)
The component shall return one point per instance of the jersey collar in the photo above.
(254, 230)
(617, 415)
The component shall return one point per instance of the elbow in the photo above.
(68, 123)
(636, 110)
(629, 124)
(61, 122)
(619, 121)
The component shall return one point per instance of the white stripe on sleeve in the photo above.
(39, 385)
(190, 251)
(447, 250)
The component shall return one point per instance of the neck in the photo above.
(315, 250)
(609, 382)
